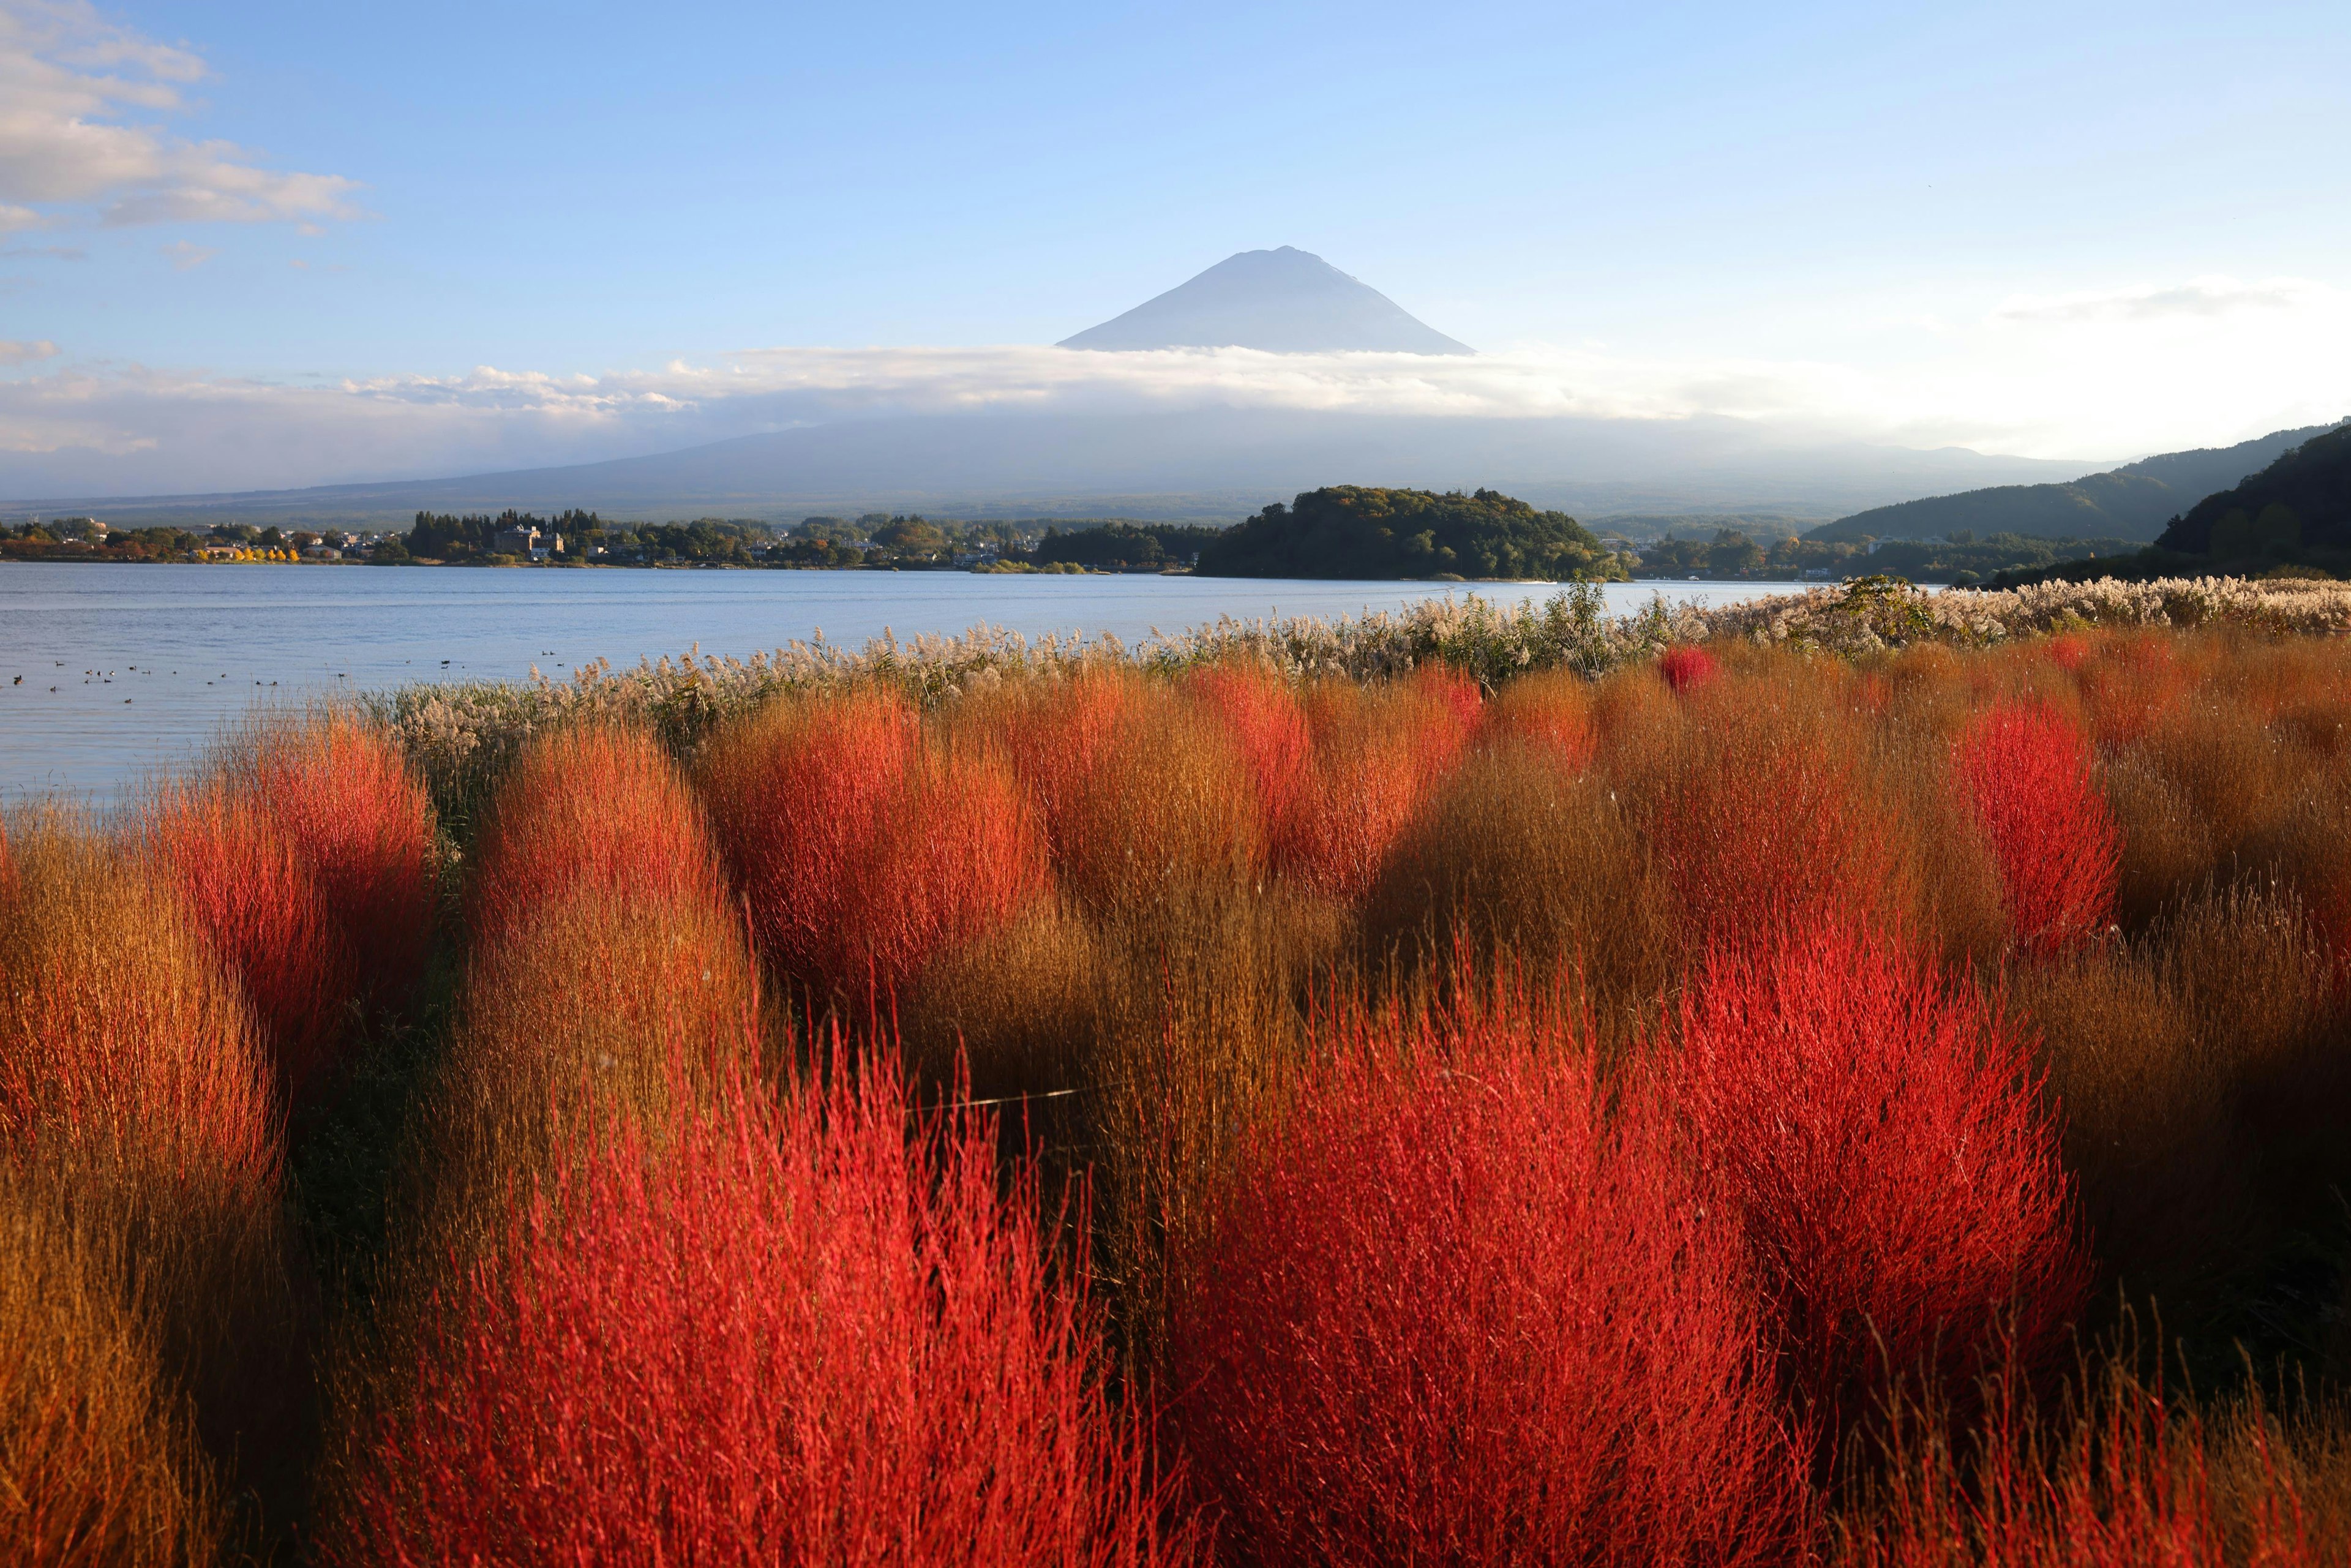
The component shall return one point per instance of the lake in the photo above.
(126, 669)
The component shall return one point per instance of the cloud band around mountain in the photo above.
(2090, 384)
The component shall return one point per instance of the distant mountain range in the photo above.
(1285, 301)
(2296, 509)
(1198, 463)
(2132, 501)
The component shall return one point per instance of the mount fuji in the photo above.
(1285, 301)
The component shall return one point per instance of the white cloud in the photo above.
(76, 94)
(20, 352)
(2093, 386)
(185, 256)
(2198, 297)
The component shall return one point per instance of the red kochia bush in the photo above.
(2026, 772)
(1053, 738)
(1878, 1129)
(1375, 754)
(1268, 729)
(795, 791)
(1455, 1311)
(1686, 668)
(787, 1337)
(590, 810)
(1759, 825)
(954, 854)
(344, 801)
(1552, 711)
(251, 894)
(2125, 1478)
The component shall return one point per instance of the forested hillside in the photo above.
(1350, 530)
(2291, 519)
(2301, 503)
(2127, 503)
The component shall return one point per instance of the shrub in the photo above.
(1453, 1311)
(1520, 858)
(341, 795)
(2128, 683)
(1013, 1013)
(136, 1110)
(1875, 1128)
(585, 811)
(1267, 725)
(1756, 809)
(1198, 1030)
(1552, 710)
(795, 791)
(790, 1337)
(1165, 817)
(1053, 733)
(97, 1467)
(2121, 1473)
(2027, 774)
(610, 982)
(253, 895)
(1376, 754)
(2149, 1109)
(609, 1009)
(953, 856)
(1686, 668)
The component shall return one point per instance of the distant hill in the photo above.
(2132, 502)
(2291, 519)
(1355, 531)
(1285, 301)
(2298, 506)
(1176, 464)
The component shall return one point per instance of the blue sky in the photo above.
(1926, 214)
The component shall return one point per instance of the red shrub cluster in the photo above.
(1054, 740)
(863, 846)
(1758, 827)
(308, 859)
(2026, 772)
(251, 892)
(795, 793)
(954, 854)
(589, 811)
(1268, 729)
(1551, 711)
(789, 1337)
(1686, 668)
(1455, 1311)
(343, 798)
(1374, 756)
(1877, 1131)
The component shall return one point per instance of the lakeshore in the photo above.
(149, 662)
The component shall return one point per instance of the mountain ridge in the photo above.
(1188, 462)
(2132, 501)
(1283, 301)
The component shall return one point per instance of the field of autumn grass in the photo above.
(1760, 1104)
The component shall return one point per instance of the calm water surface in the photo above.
(126, 669)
